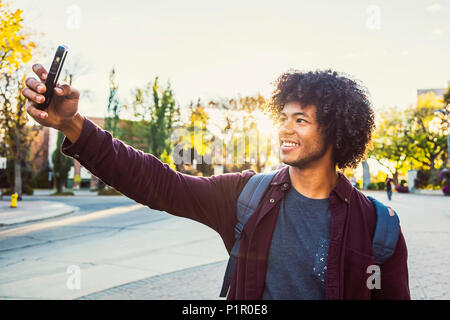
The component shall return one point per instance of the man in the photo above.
(311, 236)
(389, 188)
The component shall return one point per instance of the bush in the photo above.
(27, 176)
(8, 192)
(445, 177)
(25, 190)
(381, 185)
(41, 181)
(401, 189)
(421, 180)
(372, 186)
(4, 179)
(446, 190)
(427, 179)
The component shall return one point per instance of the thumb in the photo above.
(66, 91)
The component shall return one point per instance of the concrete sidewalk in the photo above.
(78, 192)
(29, 211)
(196, 283)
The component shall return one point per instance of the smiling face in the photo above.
(302, 144)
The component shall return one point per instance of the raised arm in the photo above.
(140, 176)
(144, 178)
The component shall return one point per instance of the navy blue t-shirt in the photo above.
(299, 249)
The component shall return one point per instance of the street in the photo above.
(117, 249)
(109, 248)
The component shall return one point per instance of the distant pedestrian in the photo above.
(389, 188)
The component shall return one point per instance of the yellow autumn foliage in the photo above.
(16, 46)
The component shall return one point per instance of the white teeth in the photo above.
(290, 144)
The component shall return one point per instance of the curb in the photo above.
(57, 209)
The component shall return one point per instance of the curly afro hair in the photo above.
(343, 111)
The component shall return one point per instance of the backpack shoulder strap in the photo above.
(250, 197)
(247, 203)
(386, 234)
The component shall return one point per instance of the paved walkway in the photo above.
(425, 223)
(197, 283)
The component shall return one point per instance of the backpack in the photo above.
(384, 240)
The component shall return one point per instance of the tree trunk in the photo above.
(395, 177)
(18, 178)
(59, 186)
(432, 163)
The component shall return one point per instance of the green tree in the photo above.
(390, 146)
(250, 105)
(16, 49)
(200, 137)
(241, 129)
(154, 113)
(426, 141)
(61, 165)
(444, 118)
(16, 46)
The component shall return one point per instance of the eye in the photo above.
(298, 120)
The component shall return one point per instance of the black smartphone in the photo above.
(53, 75)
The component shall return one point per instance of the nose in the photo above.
(286, 127)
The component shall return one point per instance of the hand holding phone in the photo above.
(53, 75)
(51, 104)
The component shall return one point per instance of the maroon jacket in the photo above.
(213, 201)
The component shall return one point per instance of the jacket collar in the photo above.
(343, 186)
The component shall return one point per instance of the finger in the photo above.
(35, 85)
(58, 89)
(66, 91)
(36, 113)
(33, 96)
(40, 71)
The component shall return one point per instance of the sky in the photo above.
(215, 49)
(211, 49)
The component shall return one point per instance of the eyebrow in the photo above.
(296, 114)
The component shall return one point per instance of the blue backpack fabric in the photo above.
(384, 240)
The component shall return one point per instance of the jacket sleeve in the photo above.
(394, 275)
(145, 179)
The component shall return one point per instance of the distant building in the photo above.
(86, 179)
(439, 92)
(39, 150)
(41, 154)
